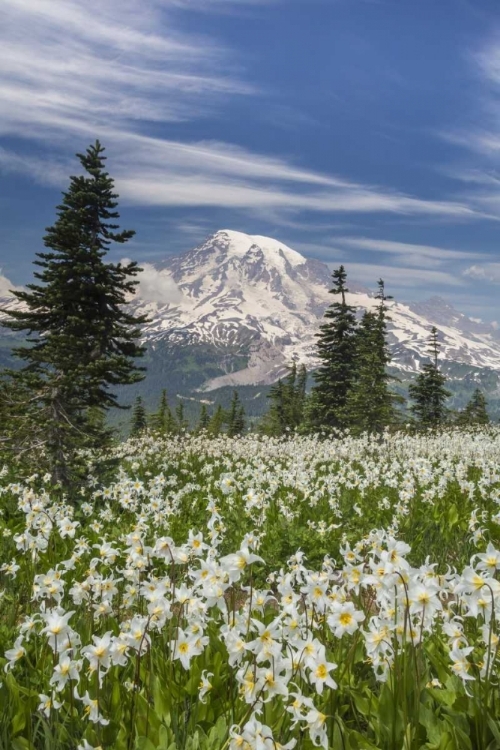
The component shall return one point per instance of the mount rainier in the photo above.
(237, 309)
(253, 297)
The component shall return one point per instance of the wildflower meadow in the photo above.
(254, 593)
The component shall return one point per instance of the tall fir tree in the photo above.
(370, 403)
(204, 420)
(300, 395)
(294, 395)
(217, 422)
(162, 421)
(274, 422)
(428, 392)
(181, 422)
(18, 438)
(475, 413)
(336, 349)
(287, 400)
(235, 416)
(139, 418)
(82, 342)
(240, 422)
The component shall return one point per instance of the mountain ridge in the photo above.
(257, 295)
(256, 302)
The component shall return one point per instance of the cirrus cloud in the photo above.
(489, 272)
(74, 69)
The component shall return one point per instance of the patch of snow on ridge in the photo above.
(273, 250)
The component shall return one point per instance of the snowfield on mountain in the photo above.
(256, 294)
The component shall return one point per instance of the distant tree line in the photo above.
(231, 421)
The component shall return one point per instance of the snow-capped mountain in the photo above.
(251, 294)
(257, 304)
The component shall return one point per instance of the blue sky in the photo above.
(358, 131)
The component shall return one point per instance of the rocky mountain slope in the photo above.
(255, 297)
(238, 308)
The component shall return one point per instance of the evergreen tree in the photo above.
(99, 435)
(370, 403)
(337, 352)
(139, 420)
(300, 395)
(204, 420)
(428, 391)
(274, 421)
(294, 394)
(83, 341)
(235, 416)
(182, 423)
(18, 437)
(475, 412)
(217, 421)
(163, 421)
(286, 412)
(310, 413)
(240, 421)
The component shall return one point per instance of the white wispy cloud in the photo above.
(401, 276)
(481, 142)
(74, 65)
(488, 60)
(6, 286)
(408, 265)
(155, 286)
(76, 69)
(46, 171)
(408, 254)
(484, 138)
(236, 178)
(208, 5)
(489, 272)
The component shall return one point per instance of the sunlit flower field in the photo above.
(252, 593)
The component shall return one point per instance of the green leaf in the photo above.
(495, 729)
(21, 743)
(18, 722)
(363, 703)
(217, 734)
(433, 726)
(446, 742)
(359, 741)
(161, 701)
(143, 743)
(193, 684)
(116, 700)
(452, 516)
(165, 738)
(390, 717)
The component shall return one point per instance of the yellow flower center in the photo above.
(321, 672)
